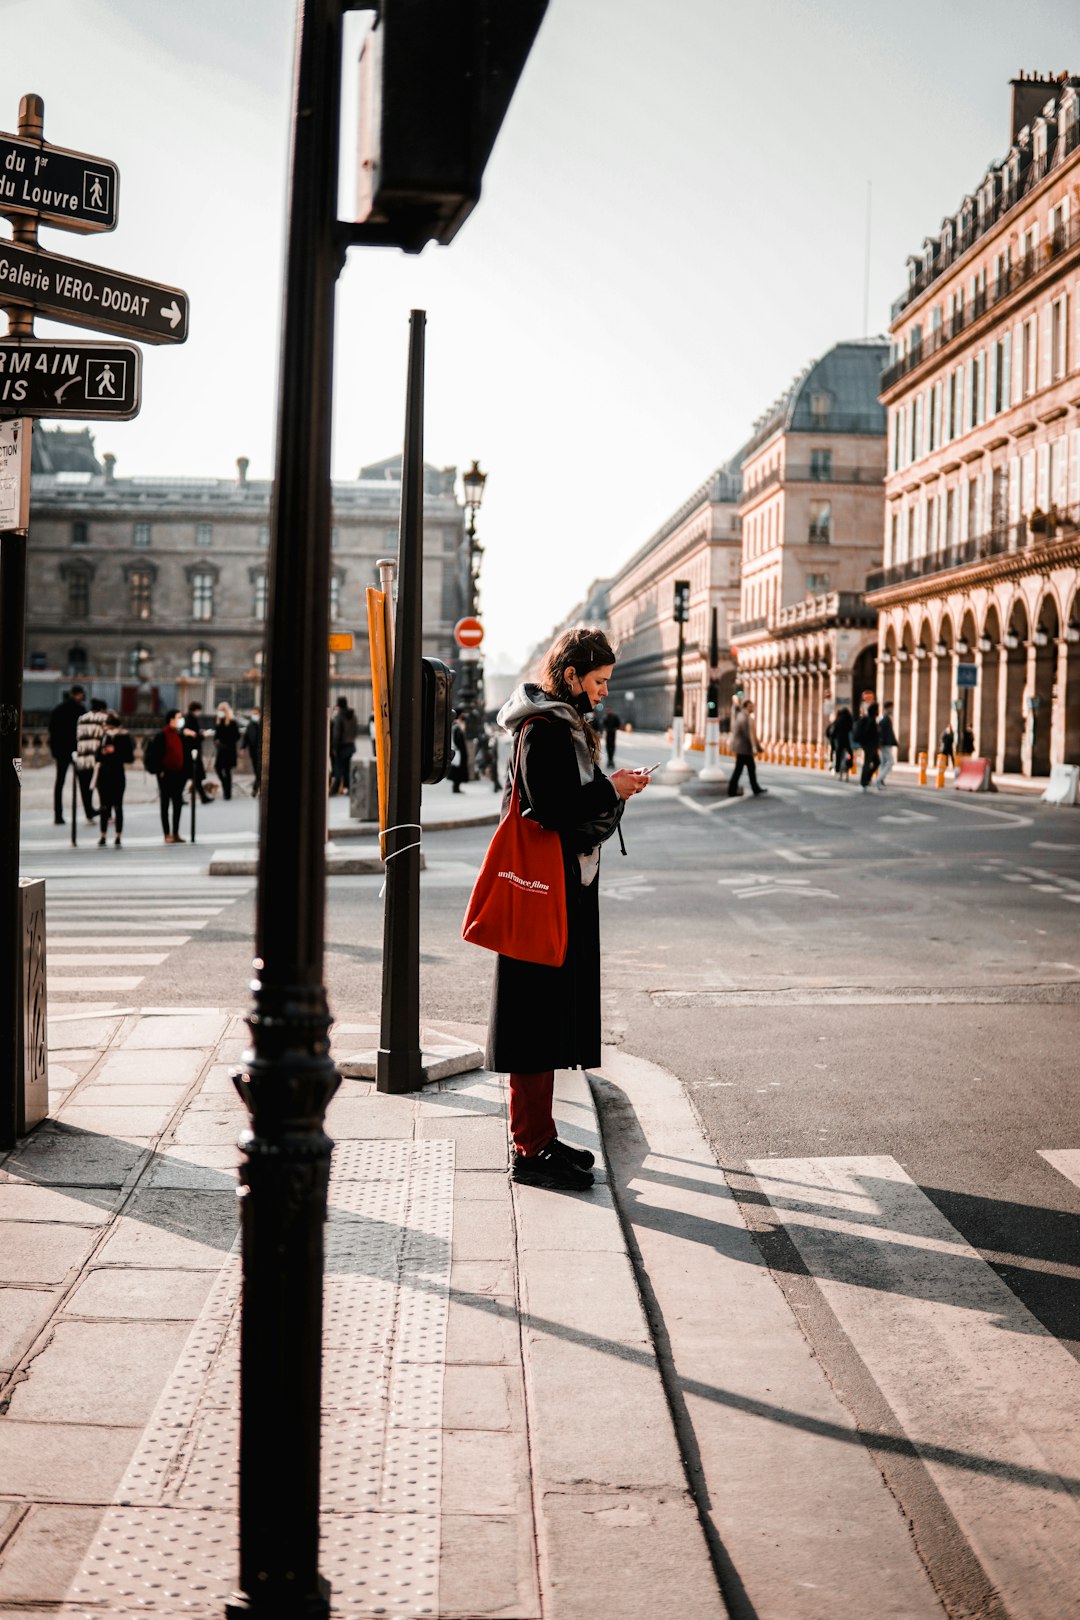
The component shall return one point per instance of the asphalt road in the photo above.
(872, 1003)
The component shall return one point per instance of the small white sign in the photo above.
(13, 439)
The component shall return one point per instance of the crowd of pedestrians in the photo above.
(98, 746)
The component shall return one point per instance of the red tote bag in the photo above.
(518, 903)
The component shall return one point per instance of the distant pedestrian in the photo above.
(252, 744)
(611, 724)
(193, 741)
(226, 745)
(344, 730)
(87, 739)
(744, 745)
(887, 744)
(838, 732)
(116, 751)
(947, 746)
(865, 736)
(168, 757)
(459, 756)
(967, 741)
(63, 724)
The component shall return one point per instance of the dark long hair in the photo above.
(583, 648)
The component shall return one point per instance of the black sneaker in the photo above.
(548, 1168)
(581, 1157)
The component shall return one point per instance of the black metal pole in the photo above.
(75, 801)
(12, 635)
(399, 1066)
(194, 787)
(678, 708)
(288, 1077)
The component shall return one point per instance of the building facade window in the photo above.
(140, 594)
(202, 661)
(78, 663)
(78, 594)
(335, 597)
(80, 534)
(137, 659)
(204, 534)
(202, 596)
(1059, 328)
(140, 535)
(261, 585)
(821, 464)
(817, 582)
(263, 536)
(820, 532)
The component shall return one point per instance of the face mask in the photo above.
(179, 722)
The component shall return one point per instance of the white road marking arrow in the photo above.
(174, 314)
(60, 392)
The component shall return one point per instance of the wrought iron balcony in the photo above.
(1008, 538)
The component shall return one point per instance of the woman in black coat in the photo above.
(226, 744)
(115, 752)
(548, 1018)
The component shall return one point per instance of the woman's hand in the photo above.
(627, 783)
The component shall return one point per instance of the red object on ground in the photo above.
(468, 632)
(974, 777)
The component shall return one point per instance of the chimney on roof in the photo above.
(242, 465)
(109, 461)
(1030, 93)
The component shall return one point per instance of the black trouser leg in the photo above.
(750, 771)
(225, 773)
(86, 790)
(740, 761)
(176, 793)
(118, 812)
(869, 766)
(58, 790)
(105, 813)
(163, 803)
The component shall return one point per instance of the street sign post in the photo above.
(967, 675)
(47, 377)
(69, 189)
(88, 295)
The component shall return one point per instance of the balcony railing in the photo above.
(743, 627)
(819, 534)
(999, 542)
(1007, 200)
(801, 474)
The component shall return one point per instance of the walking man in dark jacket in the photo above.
(193, 739)
(865, 736)
(344, 730)
(63, 724)
(744, 745)
(887, 744)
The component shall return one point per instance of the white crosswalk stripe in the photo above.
(987, 1396)
(96, 943)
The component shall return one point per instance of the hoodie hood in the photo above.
(530, 702)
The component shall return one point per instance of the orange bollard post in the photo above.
(922, 770)
(939, 779)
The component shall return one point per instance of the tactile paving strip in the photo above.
(169, 1545)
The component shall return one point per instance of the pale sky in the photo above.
(672, 225)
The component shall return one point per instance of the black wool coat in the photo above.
(549, 1017)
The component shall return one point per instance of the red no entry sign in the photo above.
(468, 632)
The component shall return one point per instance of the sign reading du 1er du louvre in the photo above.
(69, 189)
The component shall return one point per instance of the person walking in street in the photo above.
(116, 752)
(947, 745)
(168, 758)
(839, 735)
(252, 744)
(63, 724)
(193, 739)
(459, 756)
(865, 736)
(611, 725)
(344, 730)
(226, 745)
(887, 744)
(967, 741)
(548, 1018)
(744, 745)
(87, 740)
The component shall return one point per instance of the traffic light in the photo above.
(682, 601)
(436, 80)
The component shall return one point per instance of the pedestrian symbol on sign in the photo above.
(96, 192)
(102, 383)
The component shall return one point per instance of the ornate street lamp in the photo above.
(473, 483)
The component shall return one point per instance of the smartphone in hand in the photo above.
(647, 770)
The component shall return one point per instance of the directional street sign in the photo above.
(69, 189)
(87, 295)
(39, 377)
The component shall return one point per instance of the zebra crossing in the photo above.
(987, 1396)
(101, 943)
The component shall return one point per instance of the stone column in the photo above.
(1061, 698)
(1030, 688)
(915, 743)
(1002, 705)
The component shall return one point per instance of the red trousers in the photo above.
(531, 1124)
